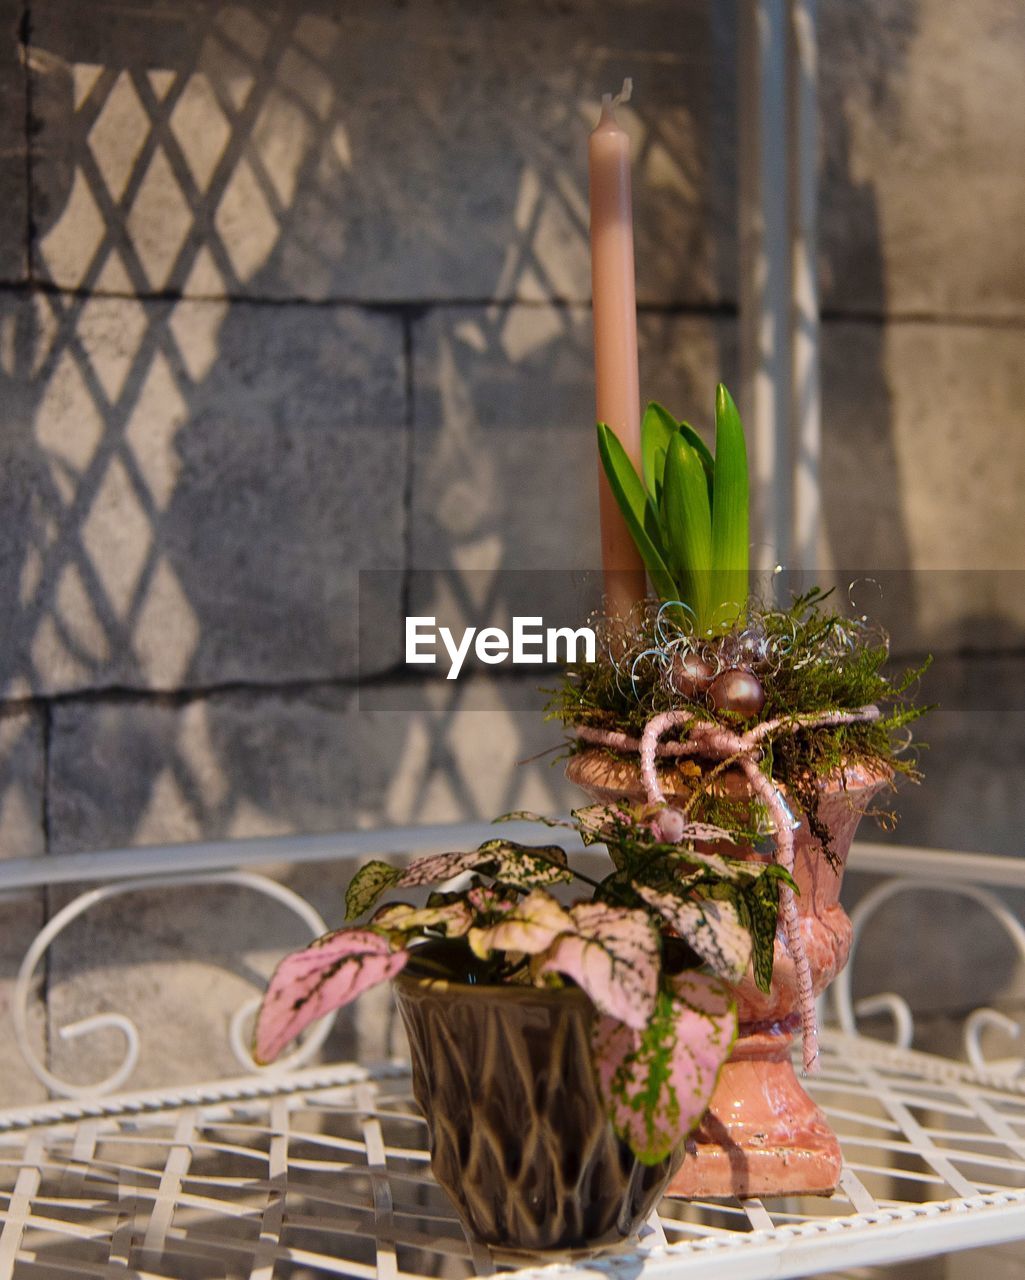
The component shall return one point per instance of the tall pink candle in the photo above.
(617, 391)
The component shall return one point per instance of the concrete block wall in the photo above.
(293, 289)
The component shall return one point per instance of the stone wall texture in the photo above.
(293, 289)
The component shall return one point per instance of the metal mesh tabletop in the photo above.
(325, 1173)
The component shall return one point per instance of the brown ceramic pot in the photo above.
(763, 1135)
(519, 1137)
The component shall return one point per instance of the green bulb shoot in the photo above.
(689, 513)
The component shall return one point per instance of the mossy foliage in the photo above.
(808, 658)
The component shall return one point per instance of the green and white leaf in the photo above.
(527, 815)
(522, 866)
(714, 863)
(597, 822)
(367, 885)
(714, 927)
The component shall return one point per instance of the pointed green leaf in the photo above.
(658, 426)
(701, 449)
(758, 903)
(730, 501)
(633, 502)
(689, 526)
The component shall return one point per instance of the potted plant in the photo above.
(769, 722)
(562, 1047)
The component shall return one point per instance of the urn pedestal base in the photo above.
(763, 1135)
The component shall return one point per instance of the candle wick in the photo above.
(610, 103)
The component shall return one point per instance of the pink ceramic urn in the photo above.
(762, 1134)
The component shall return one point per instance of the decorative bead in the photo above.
(753, 646)
(690, 675)
(670, 824)
(738, 691)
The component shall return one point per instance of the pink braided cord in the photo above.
(717, 742)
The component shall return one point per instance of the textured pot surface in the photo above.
(519, 1136)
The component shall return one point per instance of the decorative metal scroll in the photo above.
(124, 1025)
(889, 1002)
(948, 873)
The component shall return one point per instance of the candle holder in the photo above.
(776, 724)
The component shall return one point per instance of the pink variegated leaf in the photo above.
(596, 821)
(454, 918)
(713, 927)
(523, 866)
(613, 954)
(657, 1082)
(488, 900)
(437, 868)
(606, 824)
(707, 831)
(530, 926)
(330, 973)
(526, 815)
(725, 868)
(516, 865)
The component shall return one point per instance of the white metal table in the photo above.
(323, 1171)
